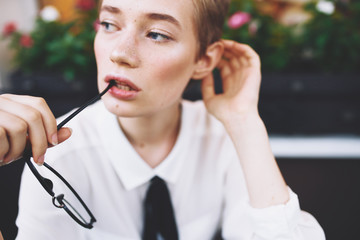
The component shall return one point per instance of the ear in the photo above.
(208, 62)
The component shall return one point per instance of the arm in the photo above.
(274, 210)
(237, 109)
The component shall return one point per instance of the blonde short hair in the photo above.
(209, 18)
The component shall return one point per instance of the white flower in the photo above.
(49, 14)
(326, 7)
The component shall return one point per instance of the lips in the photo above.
(122, 83)
(123, 89)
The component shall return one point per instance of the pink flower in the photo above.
(26, 41)
(85, 5)
(9, 28)
(238, 19)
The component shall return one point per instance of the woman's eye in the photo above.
(158, 37)
(108, 27)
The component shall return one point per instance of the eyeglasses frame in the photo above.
(47, 183)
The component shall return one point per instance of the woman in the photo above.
(214, 156)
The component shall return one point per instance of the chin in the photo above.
(119, 108)
(113, 106)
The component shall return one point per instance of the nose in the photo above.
(126, 50)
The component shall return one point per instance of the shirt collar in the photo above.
(131, 169)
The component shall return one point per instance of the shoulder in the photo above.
(197, 116)
(208, 142)
(205, 131)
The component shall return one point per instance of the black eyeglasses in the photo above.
(76, 207)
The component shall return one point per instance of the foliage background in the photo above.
(57, 47)
(327, 43)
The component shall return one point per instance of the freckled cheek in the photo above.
(174, 71)
(171, 79)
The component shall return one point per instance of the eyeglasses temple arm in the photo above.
(61, 124)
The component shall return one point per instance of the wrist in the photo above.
(242, 121)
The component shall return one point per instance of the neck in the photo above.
(153, 137)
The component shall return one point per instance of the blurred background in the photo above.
(309, 100)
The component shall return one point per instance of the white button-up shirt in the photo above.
(202, 171)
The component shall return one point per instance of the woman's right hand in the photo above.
(26, 120)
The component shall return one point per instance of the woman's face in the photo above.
(149, 48)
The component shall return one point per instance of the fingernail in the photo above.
(11, 161)
(54, 140)
(40, 160)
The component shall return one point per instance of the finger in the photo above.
(63, 134)
(247, 58)
(34, 126)
(4, 145)
(232, 48)
(238, 63)
(46, 114)
(15, 136)
(227, 75)
(241, 56)
(208, 87)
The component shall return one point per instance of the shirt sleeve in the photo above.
(284, 221)
(280, 222)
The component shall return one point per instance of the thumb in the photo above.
(64, 133)
(208, 87)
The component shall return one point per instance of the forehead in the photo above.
(181, 10)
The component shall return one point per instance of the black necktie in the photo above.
(159, 219)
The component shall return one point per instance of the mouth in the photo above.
(124, 87)
(122, 83)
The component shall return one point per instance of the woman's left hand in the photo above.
(241, 77)
(237, 109)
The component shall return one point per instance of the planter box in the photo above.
(311, 104)
(61, 95)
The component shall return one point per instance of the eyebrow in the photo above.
(151, 16)
(164, 17)
(107, 8)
